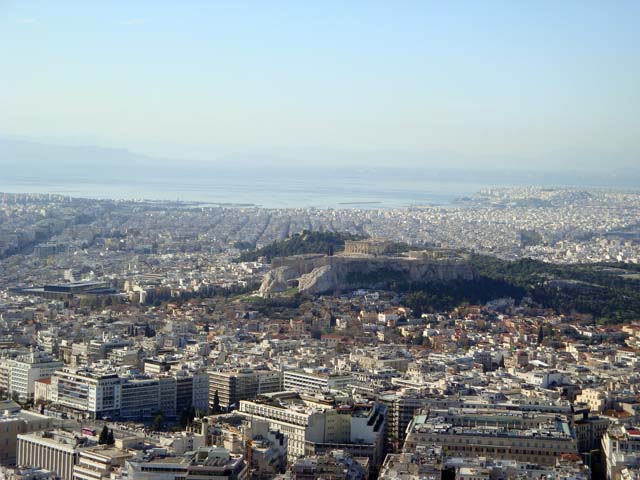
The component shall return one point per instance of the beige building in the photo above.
(56, 451)
(13, 423)
(97, 463)
(317, 424)
(297, 327)
(366, 247)
(371, 360)
(42, 391)
(595, 398)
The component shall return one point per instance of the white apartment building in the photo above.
(25, 370)
(620, 449)
(92, 393)
(309, 382)
(297, 424)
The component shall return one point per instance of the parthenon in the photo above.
(366, 247)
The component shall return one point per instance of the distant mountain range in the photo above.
(21, 157)
(28, 159)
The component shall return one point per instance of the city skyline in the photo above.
(363, 240)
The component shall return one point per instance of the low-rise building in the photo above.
(527, 436)
(98, 463)
(56, 451)
(14, 422)
(206, 462)
(313, 382)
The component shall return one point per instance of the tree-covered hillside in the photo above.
(299, 243)
(609, 292)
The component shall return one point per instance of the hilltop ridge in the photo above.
(317, 274)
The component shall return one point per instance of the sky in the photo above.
(478, 84)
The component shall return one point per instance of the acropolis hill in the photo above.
(365, 264)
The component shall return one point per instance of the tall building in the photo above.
(184, 393)
(200, 391)
(87, 392)
(192, 389)
(236, 385)
(141, 398)
(401, 407)
(26, 369)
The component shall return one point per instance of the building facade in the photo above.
(301, 381)
(236, 385)
(54, 451)
(26, 370)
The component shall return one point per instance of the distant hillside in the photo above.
(299, 243)
(609, 292)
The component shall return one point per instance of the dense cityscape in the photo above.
(319, 240)
(167, 340)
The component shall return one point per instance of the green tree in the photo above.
(110, 438)
(186, 416)
(158, 421)
(216, 403)
(183, 419)
(104, 436)
(540, 335)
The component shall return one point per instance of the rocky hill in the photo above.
(318, 274)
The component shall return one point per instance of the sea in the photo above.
(363, 188)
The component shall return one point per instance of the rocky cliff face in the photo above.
(277, 280)
(329, 274)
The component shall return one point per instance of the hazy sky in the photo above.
(487, 80)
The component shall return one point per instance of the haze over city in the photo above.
(527, 86)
